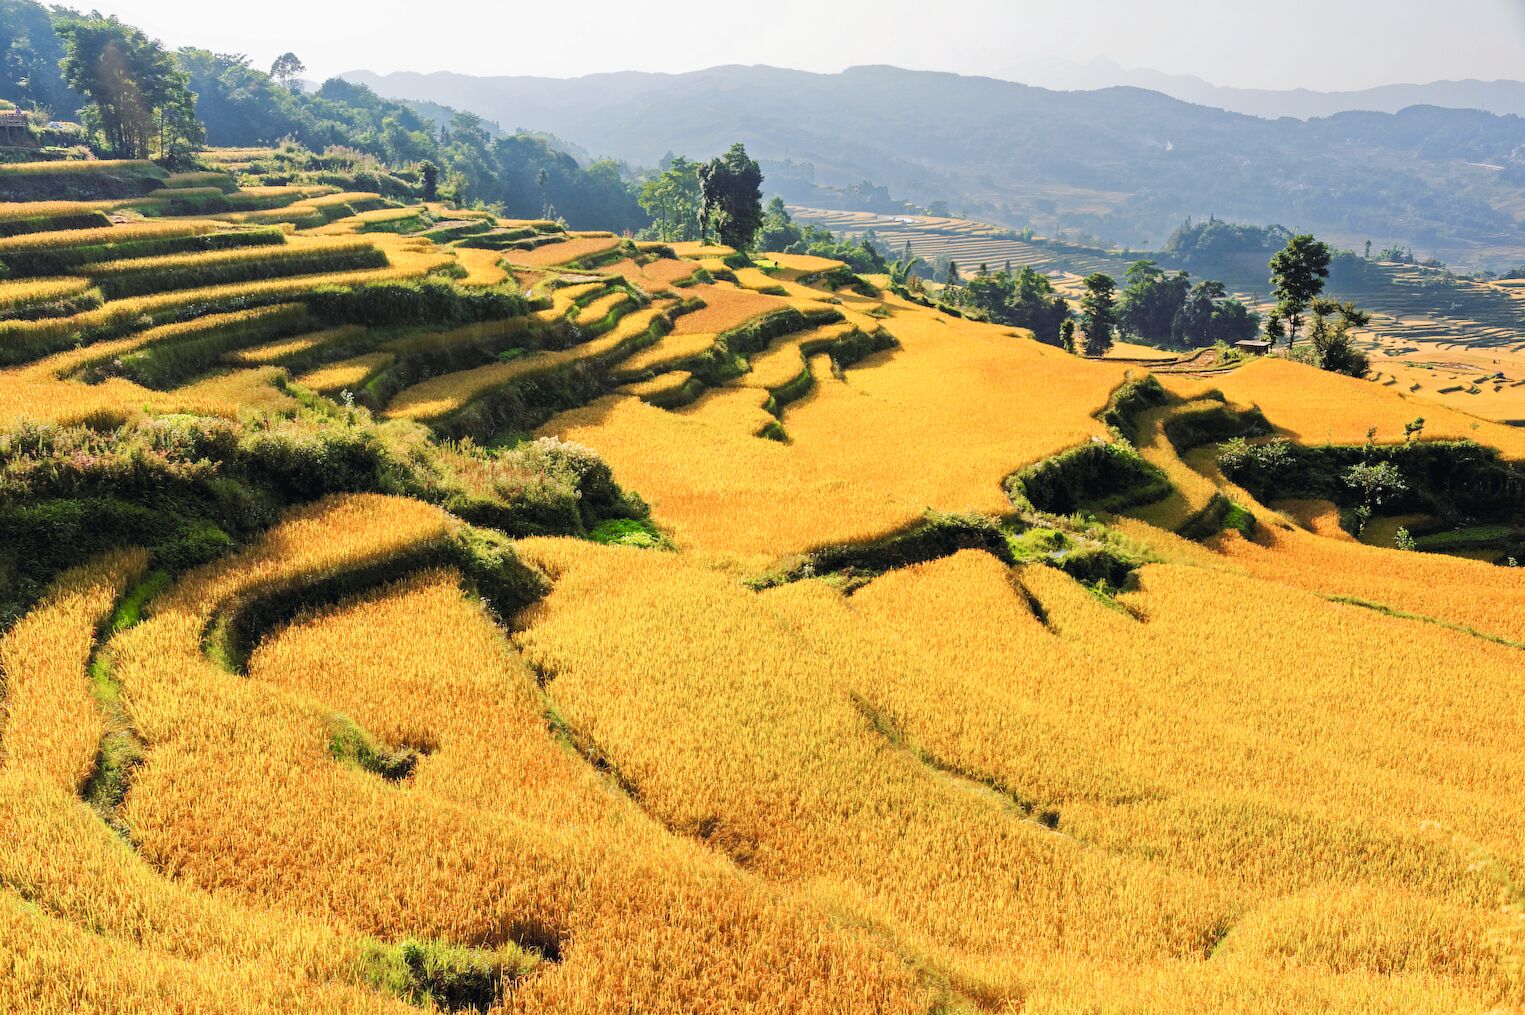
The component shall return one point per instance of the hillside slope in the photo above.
(932, 670)
(1124, 163)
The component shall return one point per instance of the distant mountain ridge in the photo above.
(1123, 163)
(1502, 97)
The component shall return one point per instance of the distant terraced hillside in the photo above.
(968, 243)
(1454, 339)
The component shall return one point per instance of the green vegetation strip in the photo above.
(1366, 604)
(120, 748)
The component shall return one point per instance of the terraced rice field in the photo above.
(968, 243)
(861, 719)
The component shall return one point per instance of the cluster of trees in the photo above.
(475, 163)
(1022, 299)
(1166, 309)
(30, 55)
(1299, 272)
(722, 200)
(1155, 306)
(143, 101)
(127, 90)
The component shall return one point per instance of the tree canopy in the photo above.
(1098, 313)
(730, 197)
(1298, 272)
(140, 103)
(672, 199)
(1025, 299)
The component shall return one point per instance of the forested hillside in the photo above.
(239, 105)
(1122, 163)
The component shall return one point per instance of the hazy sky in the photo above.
(1322, 44)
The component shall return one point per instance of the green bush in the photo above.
(1096, 476)
(78, 181)
(1131, 400)
(195, 275)
(448, 977)
(92, 219)
(63, 260)
(422, 301)
(1457, 480)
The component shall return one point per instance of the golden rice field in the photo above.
(784, 754)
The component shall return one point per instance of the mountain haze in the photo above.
(1502, 97)
(1123, 163)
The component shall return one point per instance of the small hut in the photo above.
(1253, 347)
(15, 127)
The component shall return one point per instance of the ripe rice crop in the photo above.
(234, 394)
(740, 410)
(201, 180)
(282, 350)
(28, 297)
(568, 862)
(804, 264)
(725, 307)
(938, 424)
(1192, 493)
(1468, 593)
(598, 311)
(564, 253)
(442, 396)
(1133, 737)
(152, 943)
(237, 326)
(64, 253)
(483, 267)
(656, 276)
(50, 722)
(299, 256)
(697, 251)
(25, 340)
(758, 280)
(349, 374)
(51, 216)
(1316, 407)
(566, 299)
(785, 359)
(105, 235)
(660, 388)
(693, 777)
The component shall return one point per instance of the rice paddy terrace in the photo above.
(966, 242)
(934, 669)
(1455, 340)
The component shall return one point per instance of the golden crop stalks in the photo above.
(441, 396)
(298, 256)
(346, 374)
(51, 723)
(602, 308)
(938, 424)
(570, 866)
(44, 391)
(483, 267)
(147, 230)
(660, 275)
(282, 349)
(87, 924)
(786, 358)
(566, 252)
(1314, 406)
(936, 695)
(24, 294)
